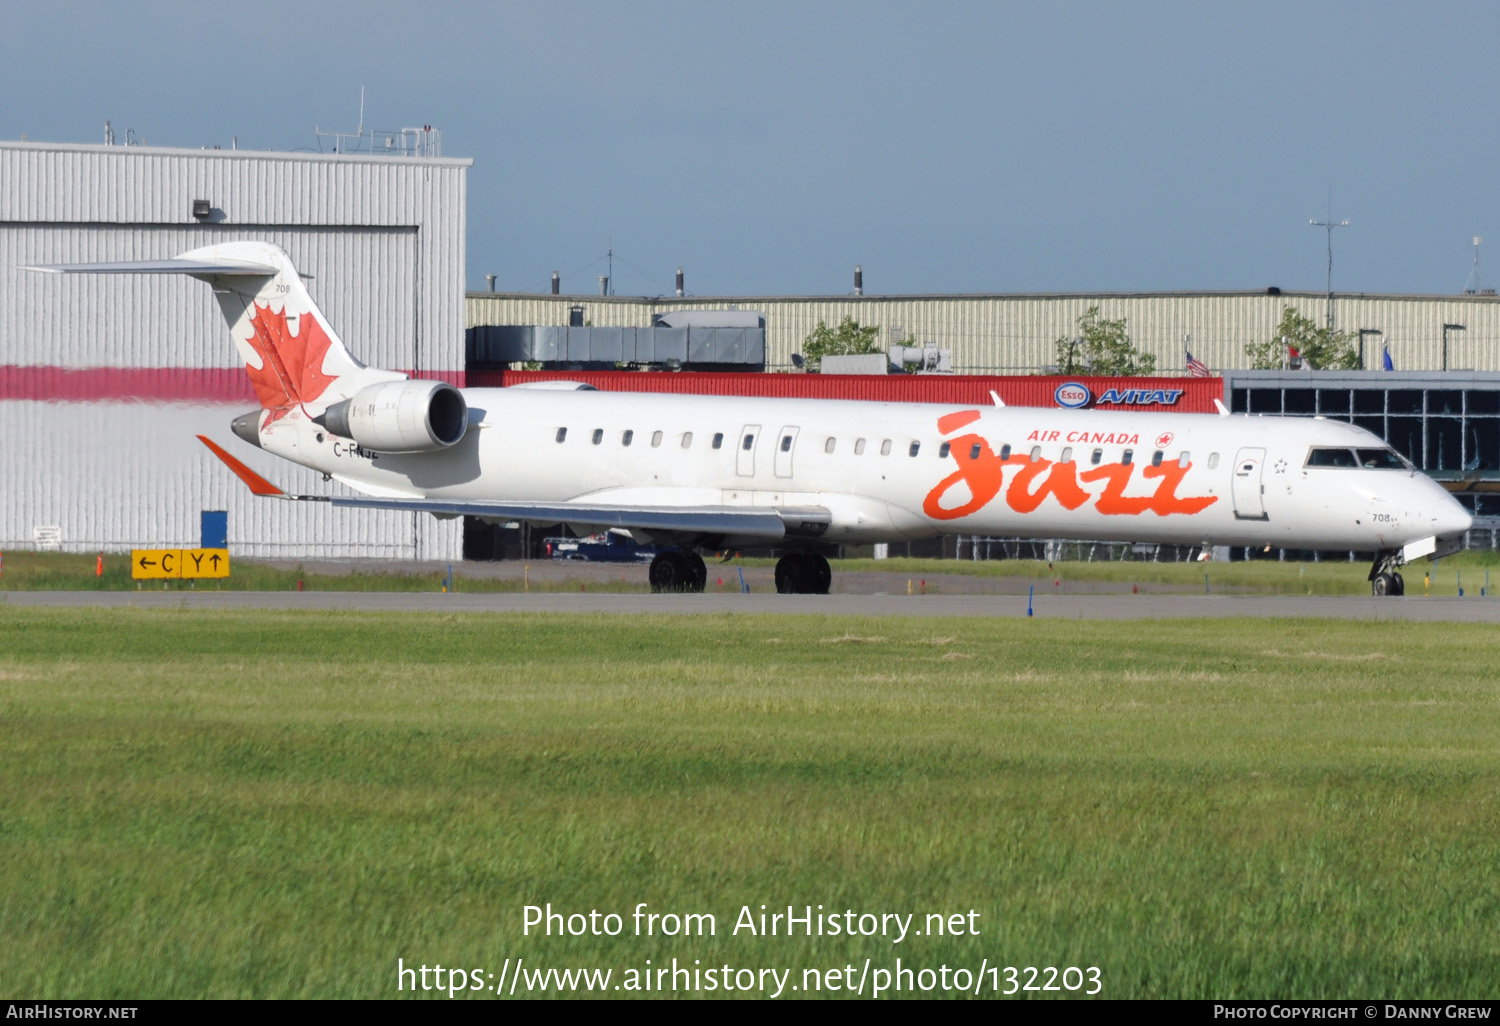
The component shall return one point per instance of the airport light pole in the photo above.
(1447, 328)
(1362, 333)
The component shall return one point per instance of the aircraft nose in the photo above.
(1452, 519)
(1448, 516)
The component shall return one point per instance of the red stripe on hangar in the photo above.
(212, 386)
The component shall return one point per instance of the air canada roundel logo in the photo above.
(1072, 395)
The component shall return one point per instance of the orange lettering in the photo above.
(1061, 483)
(1114, 501)
(984, 476)
(950, 422)
(1165, 501)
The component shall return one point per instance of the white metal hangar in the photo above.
(1015, 333)
(105, 380)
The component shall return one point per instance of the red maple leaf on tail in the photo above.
(291, 370)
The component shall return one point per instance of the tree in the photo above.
(1102, 346)
(1326, 348)
(848, 339)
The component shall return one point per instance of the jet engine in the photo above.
(400, 416)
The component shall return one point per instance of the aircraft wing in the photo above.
(680, 524)
(771, 523)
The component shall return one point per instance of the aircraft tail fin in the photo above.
(291, 353)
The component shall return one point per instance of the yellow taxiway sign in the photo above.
(148, 564)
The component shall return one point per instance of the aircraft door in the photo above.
(744, 459)
(786, 444)
(1248, 492)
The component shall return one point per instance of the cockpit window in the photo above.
(1380, 459)
(1331, 458)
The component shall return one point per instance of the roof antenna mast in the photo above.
(1474, 286)
(1330, 225)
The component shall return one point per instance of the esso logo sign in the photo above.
(1072, 396)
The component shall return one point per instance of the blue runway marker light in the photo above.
(1030, 589)
(744, 587)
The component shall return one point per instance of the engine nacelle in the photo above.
(401, 416)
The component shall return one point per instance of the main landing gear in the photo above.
(803, 573)
(1384, 578)
(674, 570)
(797, 573)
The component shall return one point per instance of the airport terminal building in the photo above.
(106, 379)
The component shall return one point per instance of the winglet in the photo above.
(1223, 410)
(258, 484)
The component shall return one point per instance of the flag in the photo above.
(1385, 358)
(1197, 368)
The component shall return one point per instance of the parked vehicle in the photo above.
(609, 547)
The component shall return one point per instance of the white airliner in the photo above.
(711, 473)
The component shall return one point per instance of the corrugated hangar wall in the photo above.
(105, 380)
(1016, 334)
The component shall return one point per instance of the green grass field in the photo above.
(269, 804)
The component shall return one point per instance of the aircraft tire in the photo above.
(822, 574)
(670, 571)
(1400, 588)
(1382, 585)
(697, 570)
(791, 574)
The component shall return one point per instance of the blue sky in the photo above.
(769, 147)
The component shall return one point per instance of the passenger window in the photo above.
(1213, 460)
(786, 443)
(974, 451)
(598, 435)
(1036, 453)
(859, 447)
(749, 443)
(656, 439)
(915, 448)
(627, 438)
(562, 435)
(1098, 455)
(828, 446)
(687, 439)
(1067, 455)
(718, 442)
(1005, 452)
(1129, 455)
(1156, 458)
(885, 447)
(943, 451)
(1185, 460)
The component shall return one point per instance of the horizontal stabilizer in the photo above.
(199, 267)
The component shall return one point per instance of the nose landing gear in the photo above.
(1384, 578)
